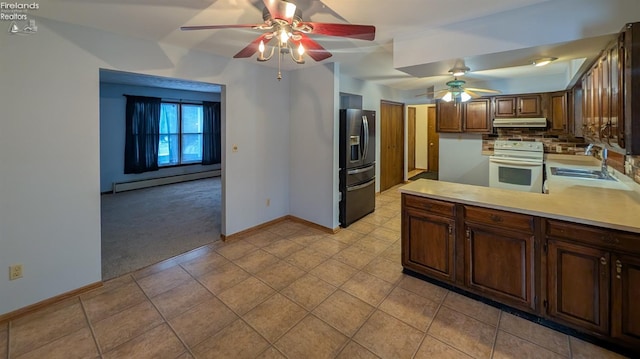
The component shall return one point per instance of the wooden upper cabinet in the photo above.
(518, 106)
(448, 116)
(530, 106)
(477, 115)
(505, 106)
(472, 116)
(558, 111)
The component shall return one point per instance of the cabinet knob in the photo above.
(450, 230)
(468, 233)
(603, 261)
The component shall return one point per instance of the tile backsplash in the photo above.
(562, 143)
(553, 142)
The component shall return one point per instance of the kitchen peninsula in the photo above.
(570, 257)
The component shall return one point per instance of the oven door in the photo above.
(516, 174)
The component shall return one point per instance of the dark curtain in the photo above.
(143, 134)
(211, 146)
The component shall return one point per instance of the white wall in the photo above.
(112, 132)
(50, 155)
(314, 139)
(461, 159)
(422, 137)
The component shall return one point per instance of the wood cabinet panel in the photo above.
(596, 236)
(558, 111)
(530, 106)
(625, 320)
(448, 117)
(431, 248)
(430, 205)
(504, 219)
(578, 283)
(505, 107)
(477, 116)
(499, 263)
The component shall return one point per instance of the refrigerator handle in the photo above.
(365, 122)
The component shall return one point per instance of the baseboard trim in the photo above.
(313, 225)
(248, 231)
(47, 302)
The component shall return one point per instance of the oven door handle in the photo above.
(516, 163)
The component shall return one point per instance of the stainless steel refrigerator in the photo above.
(357, 164)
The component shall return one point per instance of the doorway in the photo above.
(156, 215)
(391, 144)
(423, 142)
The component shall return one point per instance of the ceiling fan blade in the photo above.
(252, 48)
(278, 9)
(314, 49)
(471, 93)
(213, 27)
(362, 32)
(482, 90)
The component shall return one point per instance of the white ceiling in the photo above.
(423, 38)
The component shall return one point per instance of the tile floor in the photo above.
(287, 291)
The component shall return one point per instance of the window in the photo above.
(180, 134)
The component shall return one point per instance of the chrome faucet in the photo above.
(604, 168)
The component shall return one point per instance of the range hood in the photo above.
(520, 122)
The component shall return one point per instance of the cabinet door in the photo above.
(499, 263)
(429, 244)
(578, 285)
(448, 117)
(625, 320)
(605, 104)
(616, 110)
(505, 106)
(559, 111)
(530, 106)
(476, 116)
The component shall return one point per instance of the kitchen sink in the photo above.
(581, 173)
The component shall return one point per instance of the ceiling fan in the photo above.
(456, 89)
(283, 22)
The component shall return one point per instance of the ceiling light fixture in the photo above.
(456, 95)
(286, 39)
(544, 61)
(459, 71)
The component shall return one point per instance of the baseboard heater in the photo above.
(151, 182)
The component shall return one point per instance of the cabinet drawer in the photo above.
(503, 219)
(601, 237)
(433, 206)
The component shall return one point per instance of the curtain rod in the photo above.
(198, 102)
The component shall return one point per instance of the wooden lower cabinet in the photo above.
(578, 285)
(431, 249)
(582, 277)
(499, 263)
(625, 290)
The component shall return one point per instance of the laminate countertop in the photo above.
(615, 206)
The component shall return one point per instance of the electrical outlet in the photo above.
(558, 148)
(15, 271)
(268, 202)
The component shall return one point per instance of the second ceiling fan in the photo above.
(456, 90)
(282, 21)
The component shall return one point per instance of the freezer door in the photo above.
(361, 174)
(357, 202)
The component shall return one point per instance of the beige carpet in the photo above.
(146, 226)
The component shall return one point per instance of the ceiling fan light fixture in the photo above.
(459, 71)
(544, 61)
(464, 97)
